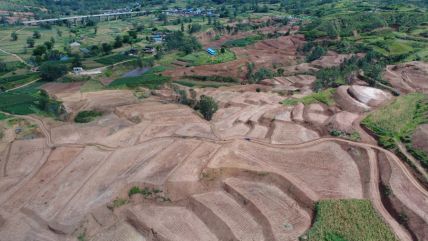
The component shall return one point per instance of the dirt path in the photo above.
(375, 198)
(22, 86)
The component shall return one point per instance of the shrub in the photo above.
(134, 190)
(316, 53)
(207, 107)
(86, 116)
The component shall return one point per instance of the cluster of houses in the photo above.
(191, 11)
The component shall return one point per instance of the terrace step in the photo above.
(283, 219)
(169, 223)
(226, 217)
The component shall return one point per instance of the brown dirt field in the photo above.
(408, 77)
(312, 166)
(286, 219)
(404, 199)
(281, 51)
(331, 59)
(207, 38)
(105, 100)
(420, 137)
(56, 90)
(171, 223)
(254, 171)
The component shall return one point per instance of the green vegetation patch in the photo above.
(242, 42)
(3, 116)
(401, 117)
(202, 58)
(324, 96)
(148, 193)
(151, 81)
(202, 84)
(399, 120)
(113, 59)
(87, 116)
(10, 82)
(348, 220)
(18, 103)
(215, 78)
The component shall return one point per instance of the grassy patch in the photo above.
(3, 116)
(87, 116)
(91, 85)
(354, 136)
(17, 103)
(112, 59)
(202, 84)
(151, 81)
(148, 193)
(202, 58)
(398, 121)
(324, 96)
(10, 82)
(348, 220)
(242, 42)
(215, 78)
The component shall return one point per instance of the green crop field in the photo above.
(348, 220)
(400, 118)
(202, 84)
(13, 81)
(398, 121)
(202, 58)
(150, 81)
(324, 96)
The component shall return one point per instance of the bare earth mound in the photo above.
(408, 77)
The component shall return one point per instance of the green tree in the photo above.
(3, 67)
(316, 53)
(51, 71)
(118, 42)
(207, 107)
(36, 35)
(14, 36)
(39, 50)
(77, 61)
(49, 45)
(194, 28)
(133, 34)
(106, 47)
(30, 42)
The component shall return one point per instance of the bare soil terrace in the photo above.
(255, 170)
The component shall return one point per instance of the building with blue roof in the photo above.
(211, 51)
